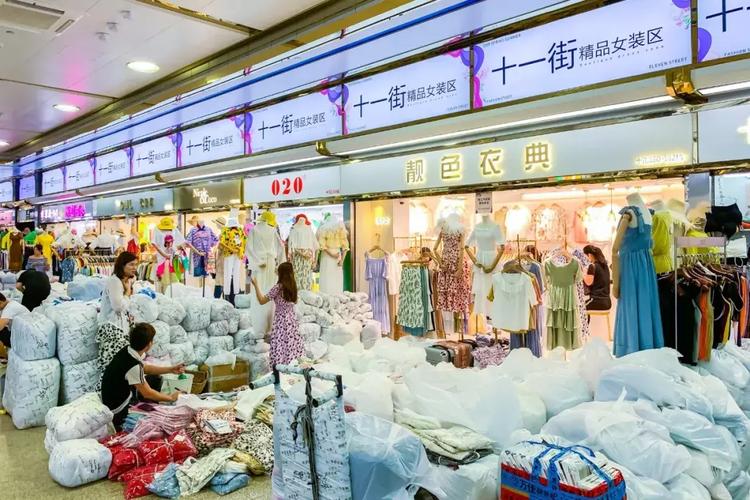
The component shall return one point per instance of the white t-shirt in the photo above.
(11, 310)
(514, 296)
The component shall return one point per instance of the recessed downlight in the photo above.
(143, 66)
(66, 108)
(4, 143)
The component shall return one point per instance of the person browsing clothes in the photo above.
(597, 280)
(9, 309)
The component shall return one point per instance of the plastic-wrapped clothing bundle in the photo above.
(311, 298)
(143, 308)
(475, 481)
(221, 358)
(233, 321)
(218, 344)
(165, 483)
(371, 333)
(197, 314)
(85, 288)
(138, 481)
(221, 310)
(50, 441)
(200, 346)
(78, 419)
(242, 301)
(243, 338)
(181, 353)
(386, 460)
(177, 334)
(533, 410)
(642, 446)
(76, 332)
(310, 332)
(372, 396)
(245, 321)
(193, 475)
(31, 389)
(684, 487)
(77, 380)
(33, 336)
(591, 360)
(218, 329)
(170, 311)
(257, 441)
(341, 333)
(728, 369)
(224, 484)
(258, 347)
(78, 462)
(560, 389)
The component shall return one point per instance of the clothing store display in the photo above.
(723, 219)
(558, 257)
(286, 342)
(454, 289)
(549, 223)
(513, 300)
(332, 236)
(203, 239)
(265, 252)
(46, 240)
(662, 232)
(563, 320)
(15, 251)
(638, 323)
(599, 290)
(376, 273)
(415, 300)
(486, 237)
(232, 242)
(302, 247)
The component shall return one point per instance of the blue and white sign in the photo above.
(27, 187)
(304, 119)
(6, 191)
(722, 28)
(433, 87)
(154, 156)
(79, 175)
(628, 38)
(53, 181)
(114, 166)
(212, 142)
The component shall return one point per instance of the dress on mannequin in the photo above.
(302, 246)
(164, 229)
(661, 233)
(264, 252)
(16, 251)
(232, 243)
(486, 237)
(333, 238)
(454, 290)
(638, 323)
(376, 274)
(563, 320)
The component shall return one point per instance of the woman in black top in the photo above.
(35, 287)
(597, 280)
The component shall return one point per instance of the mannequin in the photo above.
(265, 252)
(166, 227)
(376, 274)
(453, 278)
(488, 240)
(638, 321)
(132, 244)
(15, 257)
(232, 245)
(46, 240)
(662, 230)
(201, 239)
(302, 248)
(334, 245)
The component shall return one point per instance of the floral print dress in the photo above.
(454, 288)
(286, 342)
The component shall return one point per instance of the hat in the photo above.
(302, 217)
(166, 224)
(194, 220)
(234, 218)
(220, 221)
(269, 218)
(678, 209)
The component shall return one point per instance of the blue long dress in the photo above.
(638, 321)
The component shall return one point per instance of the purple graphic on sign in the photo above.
(92, 162)
(333, 94)
(129, 154)
(704, 43)
(683, 4)
(465, 56)
(176, 139)
(248, 135)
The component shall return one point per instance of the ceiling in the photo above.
(77, 53)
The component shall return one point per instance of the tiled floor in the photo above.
(23, 473)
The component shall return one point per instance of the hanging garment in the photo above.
(264, 248)
(513, 298)
(486, 238)
(331, 274)
(560, 260)
(563, 323)
(16, 252)
(682, 334)
(233, 275)
(454, 290)
(638, 321)
(203, 239)
(67, 270)
(411, 310)
(376, 273)
(286, 341)
(662, 233)
(533, 338)
(302, 246)
(332, 235)
(46, 240)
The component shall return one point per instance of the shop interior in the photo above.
(547, 218)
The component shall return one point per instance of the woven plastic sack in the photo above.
(311, 298)
(221, 310)
(31, 389)
(181, 353)
(33, 336)
(78, 462)
(234, 321)
(371, 333)
(165, 483)
(242, 301)
(163, 332)
(246, 320)
(310, 332)
(78, 380)
(50, 441)
(170, 310)
(200, 346)
(143, 308)
(224, 484)
(78, 419)
(258, 347)
(218, 329)
(197, 314)
(76, 324)
(243, 338)
(177, 334)
(219, 344)
(85, 288)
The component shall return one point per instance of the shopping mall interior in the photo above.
(375, 249)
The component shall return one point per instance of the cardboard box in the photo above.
(224, 378)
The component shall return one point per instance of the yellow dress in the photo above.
(661, 232)
(46, 240)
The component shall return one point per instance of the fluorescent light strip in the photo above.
(520, 123)
(246, 169)
(594, 193)
(722, 89)
(133, 188)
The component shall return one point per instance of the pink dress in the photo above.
(286, 342)
(454, 290)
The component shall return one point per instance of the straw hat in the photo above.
(194, 220)
(220, 221)
(678, 209)
(269, 218)
(166, 224)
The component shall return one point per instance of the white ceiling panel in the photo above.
(258, 14)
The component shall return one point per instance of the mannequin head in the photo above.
(658, 205)
(233, 220)
(634, 199)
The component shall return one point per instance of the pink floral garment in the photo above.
(454, 289)
(286, 342)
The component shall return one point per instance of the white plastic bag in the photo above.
(177, 334)
(76, 324)
(78, 462)
(219, 344)
(181, 353)
(246, 320)
(560, 389)
(143, 308)
(684, 487)
(242, 301)
(310, 332)
(50, 441)
(221, 310)
(33, 336)
(197, 313)
(171, 311)
(218, 329)
(31, 389)
(78, 419)
(371, 333)
(221, 358)
(78, 380)
(591, 361)
(372, 396)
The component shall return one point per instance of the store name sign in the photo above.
(6, 191)
(79, 175)
(201, 194)
(154, 156)
(307, 184)
(210, 194)
(722, 28)
(53, 181)
(55, 213)
(628, 38)
(114, 166)
(661, 159)
(146, 202)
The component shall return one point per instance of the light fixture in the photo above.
(66, 108)
(723, 89)
(143, 66)
(4, 143)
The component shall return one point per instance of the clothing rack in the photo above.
(682, 242)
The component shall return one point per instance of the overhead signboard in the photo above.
(434, 87)
(306, 184)
(209, 194)
(154, 156)
(724, 134)
(6, 191)
(66, 211)
(722, 28)
(655, 143)
(27, 187)
(79, 175)
(146, 202)
(628, 38)
(7, 217)
(304, 119)
(53, 181)
(114, 166)
(214, 141)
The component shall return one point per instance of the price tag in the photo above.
(484, 203)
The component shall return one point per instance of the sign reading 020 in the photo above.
(286, 186)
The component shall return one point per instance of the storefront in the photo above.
(79, 216)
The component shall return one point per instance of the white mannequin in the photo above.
(334, 245)
(658, 205)
(628, 219)
(234, 264)
(302, 249)
(264, 252)
(488, 241)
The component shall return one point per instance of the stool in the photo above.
(604, 314)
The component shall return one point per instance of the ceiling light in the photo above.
(143, 66)
(66, 108)
(4, 143)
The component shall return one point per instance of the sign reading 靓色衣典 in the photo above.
(628, 38)
(722, 28)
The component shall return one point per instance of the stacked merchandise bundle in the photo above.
(250, 345)
(8, 280)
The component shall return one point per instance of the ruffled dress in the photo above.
(563, 321)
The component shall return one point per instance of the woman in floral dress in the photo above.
(286, 342)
